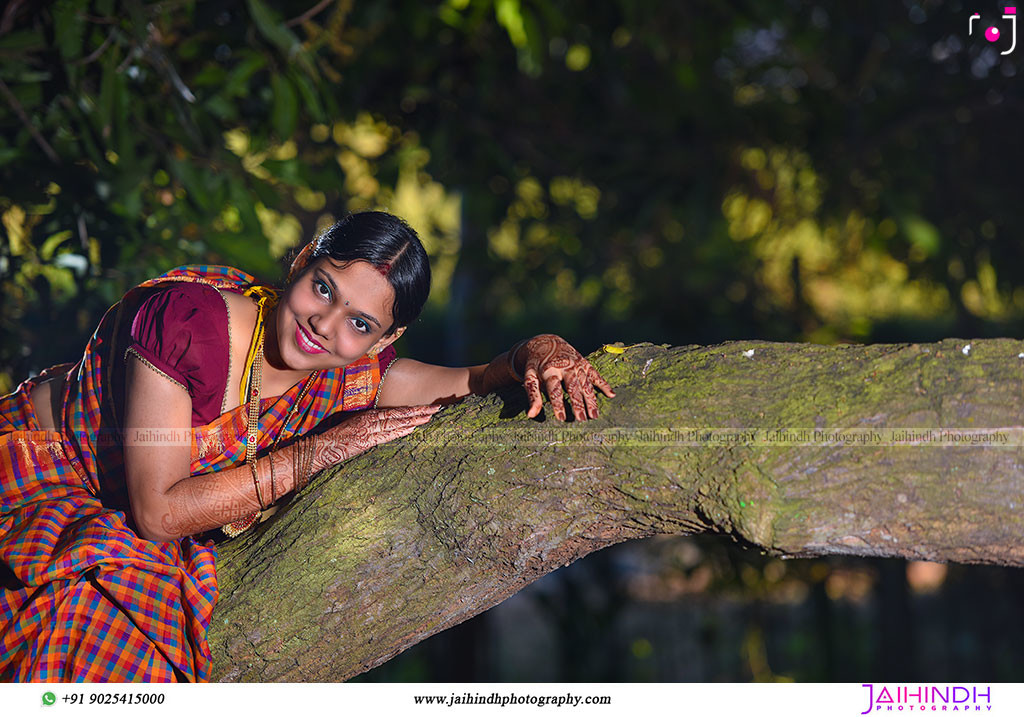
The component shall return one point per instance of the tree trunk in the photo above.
(886, 450)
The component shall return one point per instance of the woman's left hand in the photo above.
(550, 360)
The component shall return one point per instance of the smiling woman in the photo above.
(201, 399)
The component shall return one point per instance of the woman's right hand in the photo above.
(365, 430)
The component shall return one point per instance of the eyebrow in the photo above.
(334, 288)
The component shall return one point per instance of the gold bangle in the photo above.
(273, 482)
(512, 360)
(302, 461)
(297, 454)
(310, 456)
(256, 483)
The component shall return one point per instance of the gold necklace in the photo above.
(249, 391)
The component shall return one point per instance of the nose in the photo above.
(316, 323)
(322, 324)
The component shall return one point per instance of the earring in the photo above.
(372, 353)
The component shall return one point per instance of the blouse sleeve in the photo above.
(181, 332)
(385, 358)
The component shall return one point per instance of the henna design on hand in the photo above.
(554, 361)
(368, 429)
(554, 386)
(578, 388)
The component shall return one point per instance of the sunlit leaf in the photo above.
(51, 243)
(510, 16)
(922, 234)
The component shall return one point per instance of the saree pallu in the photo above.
(84, 598)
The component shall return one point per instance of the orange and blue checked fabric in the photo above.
(84, 598)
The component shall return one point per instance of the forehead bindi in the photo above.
(365, 289)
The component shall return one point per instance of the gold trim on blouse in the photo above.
(147, 362)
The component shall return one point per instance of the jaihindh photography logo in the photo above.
(926, 698)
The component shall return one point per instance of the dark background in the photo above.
(675, 172)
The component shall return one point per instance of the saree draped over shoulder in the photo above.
(82, 597)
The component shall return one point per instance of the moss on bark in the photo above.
(416, 536)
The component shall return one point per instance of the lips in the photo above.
(306, 343)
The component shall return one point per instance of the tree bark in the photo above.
(909, 450)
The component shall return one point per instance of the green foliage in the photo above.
(614, 171)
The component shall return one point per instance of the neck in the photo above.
(272, 342)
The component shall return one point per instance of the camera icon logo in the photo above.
(993, 33)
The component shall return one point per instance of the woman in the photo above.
(201, 399)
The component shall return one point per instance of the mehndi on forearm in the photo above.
(200, 503)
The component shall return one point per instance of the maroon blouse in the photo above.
(181, 331)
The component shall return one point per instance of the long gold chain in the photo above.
(250, 390)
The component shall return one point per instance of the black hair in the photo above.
(387, 243)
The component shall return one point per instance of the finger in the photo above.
(421, 419)
(404, 412)
(412, 420)
(554, 386)
(531, 383)
(412, 410)
(598, 380)
(394, 434)
(400, 431)
(590, 399)
(399, 428)
(575, 386)
(424, 412)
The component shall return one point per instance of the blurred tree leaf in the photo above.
(286, 106)
(69, 27)
(269, 23)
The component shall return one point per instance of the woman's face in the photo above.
(333, 315)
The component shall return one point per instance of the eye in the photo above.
(320, 288)
(361, 326)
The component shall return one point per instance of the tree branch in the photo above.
(308, 14)
(419, 535)
(20, 111)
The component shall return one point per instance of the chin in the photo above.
(302, 361)
(306, 362)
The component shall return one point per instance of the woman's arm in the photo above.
(167, 503)
(546, 359)
(412, 383)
